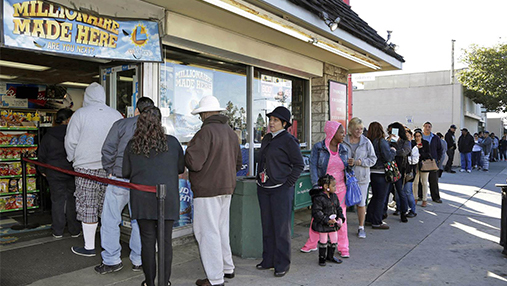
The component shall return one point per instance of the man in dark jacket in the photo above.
(450, 139)
(465, 145)
(213, 157)
(116, 198)
(436, 153)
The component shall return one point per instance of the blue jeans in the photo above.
(466, 161)
(476, 159)
(115, 200)
(400, 197)
(407, 188)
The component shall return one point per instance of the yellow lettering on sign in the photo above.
(53, 30)
(70, 14)
(65, 33)
(94, 37)
(38, 29)
(112, 41)
(107, 24)
(33, 12)
(20, 9)
(82, 34)
(53, 11)
(40, 11)
(21, 26)
(115, 27)
(104, 36)
(92, 20)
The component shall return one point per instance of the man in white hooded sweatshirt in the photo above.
(86, 133)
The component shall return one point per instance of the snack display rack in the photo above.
(18, 137)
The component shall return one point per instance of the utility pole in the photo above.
(452, 62)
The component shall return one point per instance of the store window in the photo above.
(271, 90)
(185, 79)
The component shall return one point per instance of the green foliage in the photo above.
(485, 80)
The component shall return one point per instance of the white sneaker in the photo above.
(361, 233)
(308, 250)
(469, 171)
(462, 170)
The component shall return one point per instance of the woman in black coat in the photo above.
(153, 158)
(61, 186)
(280, 164)
(422, 177)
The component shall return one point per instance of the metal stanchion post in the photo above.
(25, 198)
(161, 194)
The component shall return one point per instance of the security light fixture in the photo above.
(332, 24)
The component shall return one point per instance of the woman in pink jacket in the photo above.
(330, 157)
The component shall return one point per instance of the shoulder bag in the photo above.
(429, 165)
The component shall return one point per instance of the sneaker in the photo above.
(380, 226)
(485, 170)
(57, 236)
(104, 269)
(76, 235)
(452, 172)
(469, 171)
(396, 213)
(411, 215)
(82, 251)
(308, 250)
(137, 268)
(345, 255)
(462, 170)
(361, 233)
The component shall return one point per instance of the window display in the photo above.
(183, 86)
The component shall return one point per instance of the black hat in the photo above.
(453, 127)
(464, 129)
(282, 113)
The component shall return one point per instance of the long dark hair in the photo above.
(149, 133)
(375, 131)
(400, 127)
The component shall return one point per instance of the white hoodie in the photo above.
(88, 129)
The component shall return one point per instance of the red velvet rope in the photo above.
(144, 188)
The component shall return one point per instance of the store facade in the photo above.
(252, 55)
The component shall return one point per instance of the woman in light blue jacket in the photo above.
(361, 157)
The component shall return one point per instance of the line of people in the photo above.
(96, 140)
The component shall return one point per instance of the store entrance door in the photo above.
(122, 87)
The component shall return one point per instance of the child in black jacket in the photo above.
(326, 212)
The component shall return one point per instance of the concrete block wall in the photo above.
(320, 98)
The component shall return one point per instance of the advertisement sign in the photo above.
(338, 102)
(49, 27)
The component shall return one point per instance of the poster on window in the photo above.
(338, 102)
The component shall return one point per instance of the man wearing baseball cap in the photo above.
(213, 157)
(450, 139)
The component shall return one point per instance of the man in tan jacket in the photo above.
(213, 157)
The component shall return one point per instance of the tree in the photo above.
(485, 79)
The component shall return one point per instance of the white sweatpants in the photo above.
(211, 230)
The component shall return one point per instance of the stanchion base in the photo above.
(28, 226)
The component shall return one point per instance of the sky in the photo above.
(423, 30)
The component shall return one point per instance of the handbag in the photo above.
(429, 165)
(353, 194)
(409, 175)
(392, 173)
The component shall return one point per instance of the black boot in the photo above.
(322, 254)
(403, 217)
(331, 247)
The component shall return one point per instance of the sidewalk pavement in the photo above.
(453, 243)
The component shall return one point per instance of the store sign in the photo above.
(44, 26)
(338, 102)
(11, 102)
